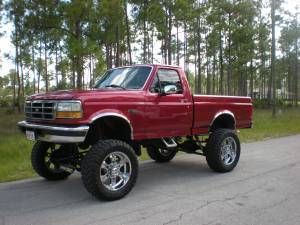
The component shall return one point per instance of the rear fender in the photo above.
(223, 116)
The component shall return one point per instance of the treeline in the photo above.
(223, 45)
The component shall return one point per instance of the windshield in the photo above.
(125, 78)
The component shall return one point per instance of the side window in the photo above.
(166, 77)
(155, 88)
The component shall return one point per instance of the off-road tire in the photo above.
(156, 155)
(213, 151)
(91, 164)
(38, 155)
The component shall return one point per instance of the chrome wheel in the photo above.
(109, 169)
(115, 171)
(228, 151)
(223, 150)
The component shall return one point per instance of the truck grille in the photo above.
(40, 110)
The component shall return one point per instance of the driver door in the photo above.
(167, 114)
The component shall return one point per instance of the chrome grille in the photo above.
(40, 110)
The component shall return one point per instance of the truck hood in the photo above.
(80, 94)
(55, 95)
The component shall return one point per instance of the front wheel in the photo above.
(160, 155)
(109, 170)
(223, 150)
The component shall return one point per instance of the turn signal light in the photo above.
(68, 115)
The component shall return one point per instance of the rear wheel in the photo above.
(45, 160)
(109, 169)
(223, 150)
(161, 155)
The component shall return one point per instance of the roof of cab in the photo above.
(156, 64)
(153, 65)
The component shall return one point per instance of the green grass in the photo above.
(287, 122)
(15, 149)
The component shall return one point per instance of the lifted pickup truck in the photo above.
(99, 132)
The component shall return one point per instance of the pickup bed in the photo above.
(100, 131)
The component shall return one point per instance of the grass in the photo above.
(287, 122)
(15, 149)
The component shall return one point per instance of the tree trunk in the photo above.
(14, 90)
(73, 72)
(33, 68)
(22, 77)
(128, 32)
(148, 47)
(196, 91)
(273, 53)
(63, 74)
(56, 65)
(208, 77)
(145, 32)
(169, 36)
(229, 74)
(152, 46)
(79, 71)
(18, 79)
(296, 65)
(289, 77)
(199, 68)
(221, 88)
(199, 55)
(245, 84)
(40, 69)
(263, 61)
(108, 56)
(22, 74)
(78, 57)
(117, 64)
(214, 74)
(185, 47)
(46, 66)
(251, 78)
(177, 44)
(17, 59)
(90, 70)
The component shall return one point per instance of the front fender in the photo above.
(108, 113)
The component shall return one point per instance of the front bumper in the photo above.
(55, 134)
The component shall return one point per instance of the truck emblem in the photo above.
(133, 111)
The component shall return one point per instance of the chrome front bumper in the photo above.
(55, 134)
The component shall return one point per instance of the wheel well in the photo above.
(109, 127)
(223, 121)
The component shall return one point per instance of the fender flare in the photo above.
(221, 113)
(113, 114)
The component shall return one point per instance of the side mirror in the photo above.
(170, 89)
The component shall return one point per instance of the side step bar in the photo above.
(169, 142)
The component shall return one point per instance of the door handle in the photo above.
(183, 100)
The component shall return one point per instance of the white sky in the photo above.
(6, 46)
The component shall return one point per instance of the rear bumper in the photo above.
(55, 134)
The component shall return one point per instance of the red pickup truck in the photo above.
(100, 132)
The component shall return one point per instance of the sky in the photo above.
(6, 46)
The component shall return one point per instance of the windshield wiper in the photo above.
(116, 86)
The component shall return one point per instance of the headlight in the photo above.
(68, 110)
